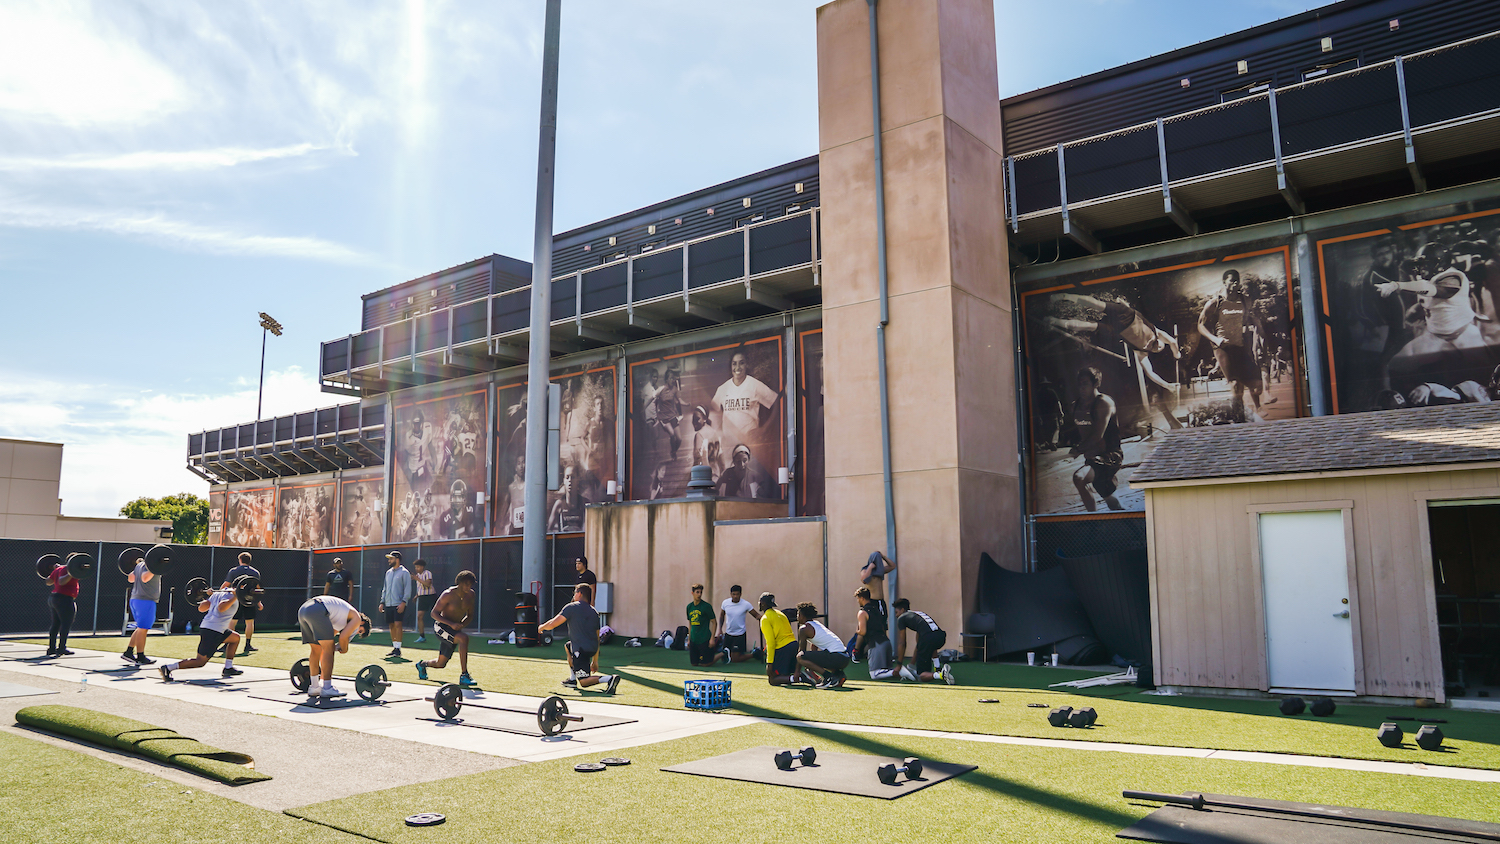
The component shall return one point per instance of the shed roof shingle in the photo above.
(1463, 433)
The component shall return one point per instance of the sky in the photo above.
(169, 170)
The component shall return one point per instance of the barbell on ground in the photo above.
(370, 683)
(551, 716)
(912, 767)
(807, 756)
(79, 564)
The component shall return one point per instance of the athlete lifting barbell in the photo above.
(64, 578)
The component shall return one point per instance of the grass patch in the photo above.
(52, 793)
(164, 746)
(1018, 793)
(654, 677)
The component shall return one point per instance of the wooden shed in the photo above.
(1354, 555)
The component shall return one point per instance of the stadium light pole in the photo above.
(274, 327)
(539, 357)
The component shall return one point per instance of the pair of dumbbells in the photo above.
(1429, 736)
(1067, 716)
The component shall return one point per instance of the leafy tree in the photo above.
(188, 512)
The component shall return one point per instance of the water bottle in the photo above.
(83, 682)
(189, 627)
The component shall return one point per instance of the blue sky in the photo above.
(167, 170)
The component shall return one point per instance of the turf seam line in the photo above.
(290, 813)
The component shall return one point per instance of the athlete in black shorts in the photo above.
(930, 639)
(452, 611)
(583, 641)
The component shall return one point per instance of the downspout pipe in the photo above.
(891, 592)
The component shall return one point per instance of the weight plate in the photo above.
(614, 761)
(425, 819)
(301, 677)
(196, 590)
(549, 715)
(46, 563)
(79, 564)
(1036, 706)
(989, 700)
(448, 701)
(159, 559)
(128, 558)
(588, 767)
(370, 682)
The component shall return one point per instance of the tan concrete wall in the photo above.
(949, 345)
(110, 530)
(30, 474)
(653, 553)
(1208, 627)
(781, 557)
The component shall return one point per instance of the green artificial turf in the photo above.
(654, 677)
(162, 745)
(1017, 794)
(52, 793)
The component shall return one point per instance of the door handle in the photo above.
(1344, 614)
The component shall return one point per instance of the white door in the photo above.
(1309, 633)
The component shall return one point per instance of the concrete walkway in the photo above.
(403, 718)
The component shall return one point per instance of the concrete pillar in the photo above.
(949, 341)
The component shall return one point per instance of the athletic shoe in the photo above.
(728, 657)
(614, 682)
(421, 638)
(230, 672)
(129, 657)
(314, 691)
(570, 683)
(142, 659)
(52, 652)
(64, 652)
(421, 670)
(466, 681)
(948, 675)
(853, 660)
(394, 652)
(166, 674)
(329, 691)
(249, 649)
(838, 682)
(909, 673)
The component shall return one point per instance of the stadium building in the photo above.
(1218, 329)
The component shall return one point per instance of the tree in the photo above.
(188, 512)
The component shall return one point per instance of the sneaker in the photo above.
(314, 691)
(129, 657)
(64, 652)
(909, 673)
(838, 682)
(614, 682)
(421, 670)
(570, 683)
(230, 672)
(142, 659)
(728, 657)
(249, 649)
(393, 652)
(465, 681)
(948, 675)
(166, 674)
(854, 659)
(330, 691)
(421, 638)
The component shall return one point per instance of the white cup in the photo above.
(1031, 657)
(1054, 660)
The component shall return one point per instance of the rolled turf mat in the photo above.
(146, 739)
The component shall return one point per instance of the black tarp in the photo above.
(1033, 611)
(1115, 591)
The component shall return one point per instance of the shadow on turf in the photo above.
(1052, 801)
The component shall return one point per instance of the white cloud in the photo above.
(162, 229)
(59, 64)
(120, 444)
(198, 159)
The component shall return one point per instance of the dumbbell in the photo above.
(1323, 707)
(1429, 737)
(808, 756)
(1084, 717)
(1292, 705)
(888, 772)
(1390, 735)
(1058, 717)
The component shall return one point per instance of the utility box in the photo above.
(604, 597)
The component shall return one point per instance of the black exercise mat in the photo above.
(349, 701)
(589, 722)
(840, 773)
(1277, 822)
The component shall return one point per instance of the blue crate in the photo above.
(706, 694)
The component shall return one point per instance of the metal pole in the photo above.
(534, 532)
(885, 319)
(260, 393)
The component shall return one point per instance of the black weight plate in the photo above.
(548, 718)
(614, 761)
(448, 701)
(588, 767)
(159, 559)
(46, 563)
(80, 564)
(425, 819)
(369, 683)
(128, 558)
(196, 590)
(301, 676)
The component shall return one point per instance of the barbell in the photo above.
(246, 588)
(551, 716)
(370, 683)
(79, 564)
(158, 559)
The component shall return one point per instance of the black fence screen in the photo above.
(1085, 538)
